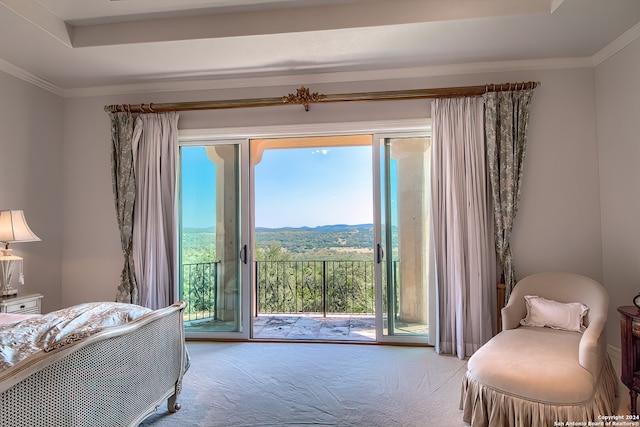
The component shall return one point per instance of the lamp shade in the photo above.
(14, 228)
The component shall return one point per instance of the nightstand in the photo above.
(630, 352)
(21, 304)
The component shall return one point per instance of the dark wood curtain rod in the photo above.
(304, 97)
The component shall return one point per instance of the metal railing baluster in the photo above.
(342, 286)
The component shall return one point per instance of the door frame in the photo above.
(379, 201)
(244, 294)
(244, 135)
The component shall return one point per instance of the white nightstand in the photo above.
(21, 304)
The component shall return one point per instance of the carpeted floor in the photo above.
(280, 384)
(291, 384)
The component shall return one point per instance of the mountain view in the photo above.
(332, 242)
(323, 240)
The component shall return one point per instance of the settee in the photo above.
(542, 369)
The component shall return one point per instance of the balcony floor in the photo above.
(331, 328)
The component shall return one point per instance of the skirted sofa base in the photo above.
(532, 377)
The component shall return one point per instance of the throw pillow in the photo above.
(543, 312)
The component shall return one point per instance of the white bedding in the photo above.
(20, 339)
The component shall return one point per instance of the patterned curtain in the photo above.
(506, 123)
(124, 191)
(463, 235)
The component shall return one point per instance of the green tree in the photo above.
(273, 252)
(198, 270)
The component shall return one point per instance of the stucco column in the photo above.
(412, 173)
(223, 156)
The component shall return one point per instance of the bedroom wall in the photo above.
(31, 144)
(558, 226)
(618, 110)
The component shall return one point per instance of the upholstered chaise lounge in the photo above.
(535, 375)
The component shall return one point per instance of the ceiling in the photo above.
(84, 47)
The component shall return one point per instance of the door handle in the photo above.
(379, 253)
(243, 254)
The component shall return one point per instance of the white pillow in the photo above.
(557, 315)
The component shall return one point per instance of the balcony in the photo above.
(294, 299)
(315, 287)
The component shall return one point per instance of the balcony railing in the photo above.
(315, 287)
(199, 289)
(286, 287)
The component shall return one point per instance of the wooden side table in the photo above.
(21, 304)
(630, 351)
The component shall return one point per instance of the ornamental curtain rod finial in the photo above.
(303, 97)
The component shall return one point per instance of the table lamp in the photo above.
(13, 228)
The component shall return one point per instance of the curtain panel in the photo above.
(506, 125)
(463, 230)
(124, 191)
(155, 241)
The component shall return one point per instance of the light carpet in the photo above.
(293, 384)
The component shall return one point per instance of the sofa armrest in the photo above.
(593, 346)
(512, 314)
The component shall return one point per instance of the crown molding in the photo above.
(41, 17)
(21, 74)
(628, 37)
(337, 77)
(318, 78)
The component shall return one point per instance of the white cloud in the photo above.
(323, 151)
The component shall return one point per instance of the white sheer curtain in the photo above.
(155, 244)
(464, 245)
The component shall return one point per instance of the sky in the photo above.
(198, 188)
(293, 187)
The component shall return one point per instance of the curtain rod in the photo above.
(304, 97)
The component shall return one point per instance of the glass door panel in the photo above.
(403, 245)
(313, 235)
(211, 231)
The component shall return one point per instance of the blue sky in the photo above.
(198, 188)
(312, 187)
(293, 187)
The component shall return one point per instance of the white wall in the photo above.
(31, 134)
(558, 226)
(618, 121)
(579, 203)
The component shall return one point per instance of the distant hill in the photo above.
(306, 239)
(211, 229)
(334, 227)
(301, 240)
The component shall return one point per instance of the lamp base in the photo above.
(8, 265)
(9, 292)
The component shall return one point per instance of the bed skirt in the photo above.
(485, 406)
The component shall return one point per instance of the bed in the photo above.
(71, 368)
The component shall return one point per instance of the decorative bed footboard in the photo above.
(116, 377)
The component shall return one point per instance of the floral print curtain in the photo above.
(506, 123)
(124, 191)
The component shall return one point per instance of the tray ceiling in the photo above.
(78, 46)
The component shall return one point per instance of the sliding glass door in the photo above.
(219, 274)
(403, 253)
(214, 273)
